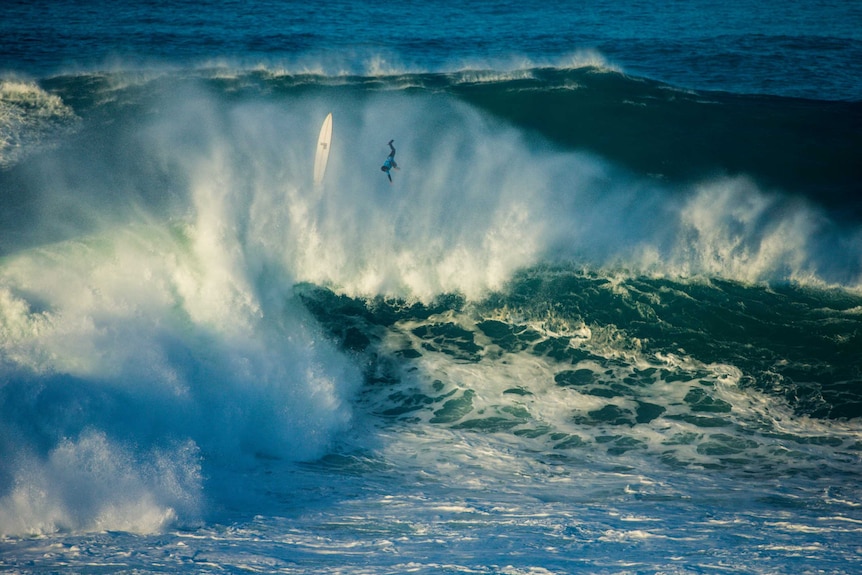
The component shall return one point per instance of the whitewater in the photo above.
(599, 322)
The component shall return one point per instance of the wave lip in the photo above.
(30, 119)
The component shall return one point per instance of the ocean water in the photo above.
(607, 318)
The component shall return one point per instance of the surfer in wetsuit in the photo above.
(390, 162)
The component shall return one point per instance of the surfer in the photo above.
(390, 162)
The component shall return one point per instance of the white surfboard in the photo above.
(322, 154)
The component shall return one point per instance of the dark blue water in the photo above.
(803, 49)
(605, 319)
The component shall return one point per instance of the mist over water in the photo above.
(474, 182)
(157, 149)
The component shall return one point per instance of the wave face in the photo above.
(573, 321)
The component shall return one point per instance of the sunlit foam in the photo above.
(30, 119)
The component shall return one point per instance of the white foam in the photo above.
(94, 484)
(30, 119)
(156, 332)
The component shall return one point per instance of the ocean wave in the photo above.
(179, 302)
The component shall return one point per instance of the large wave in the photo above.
(150, 333)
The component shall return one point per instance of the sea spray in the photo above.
(134, 359)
